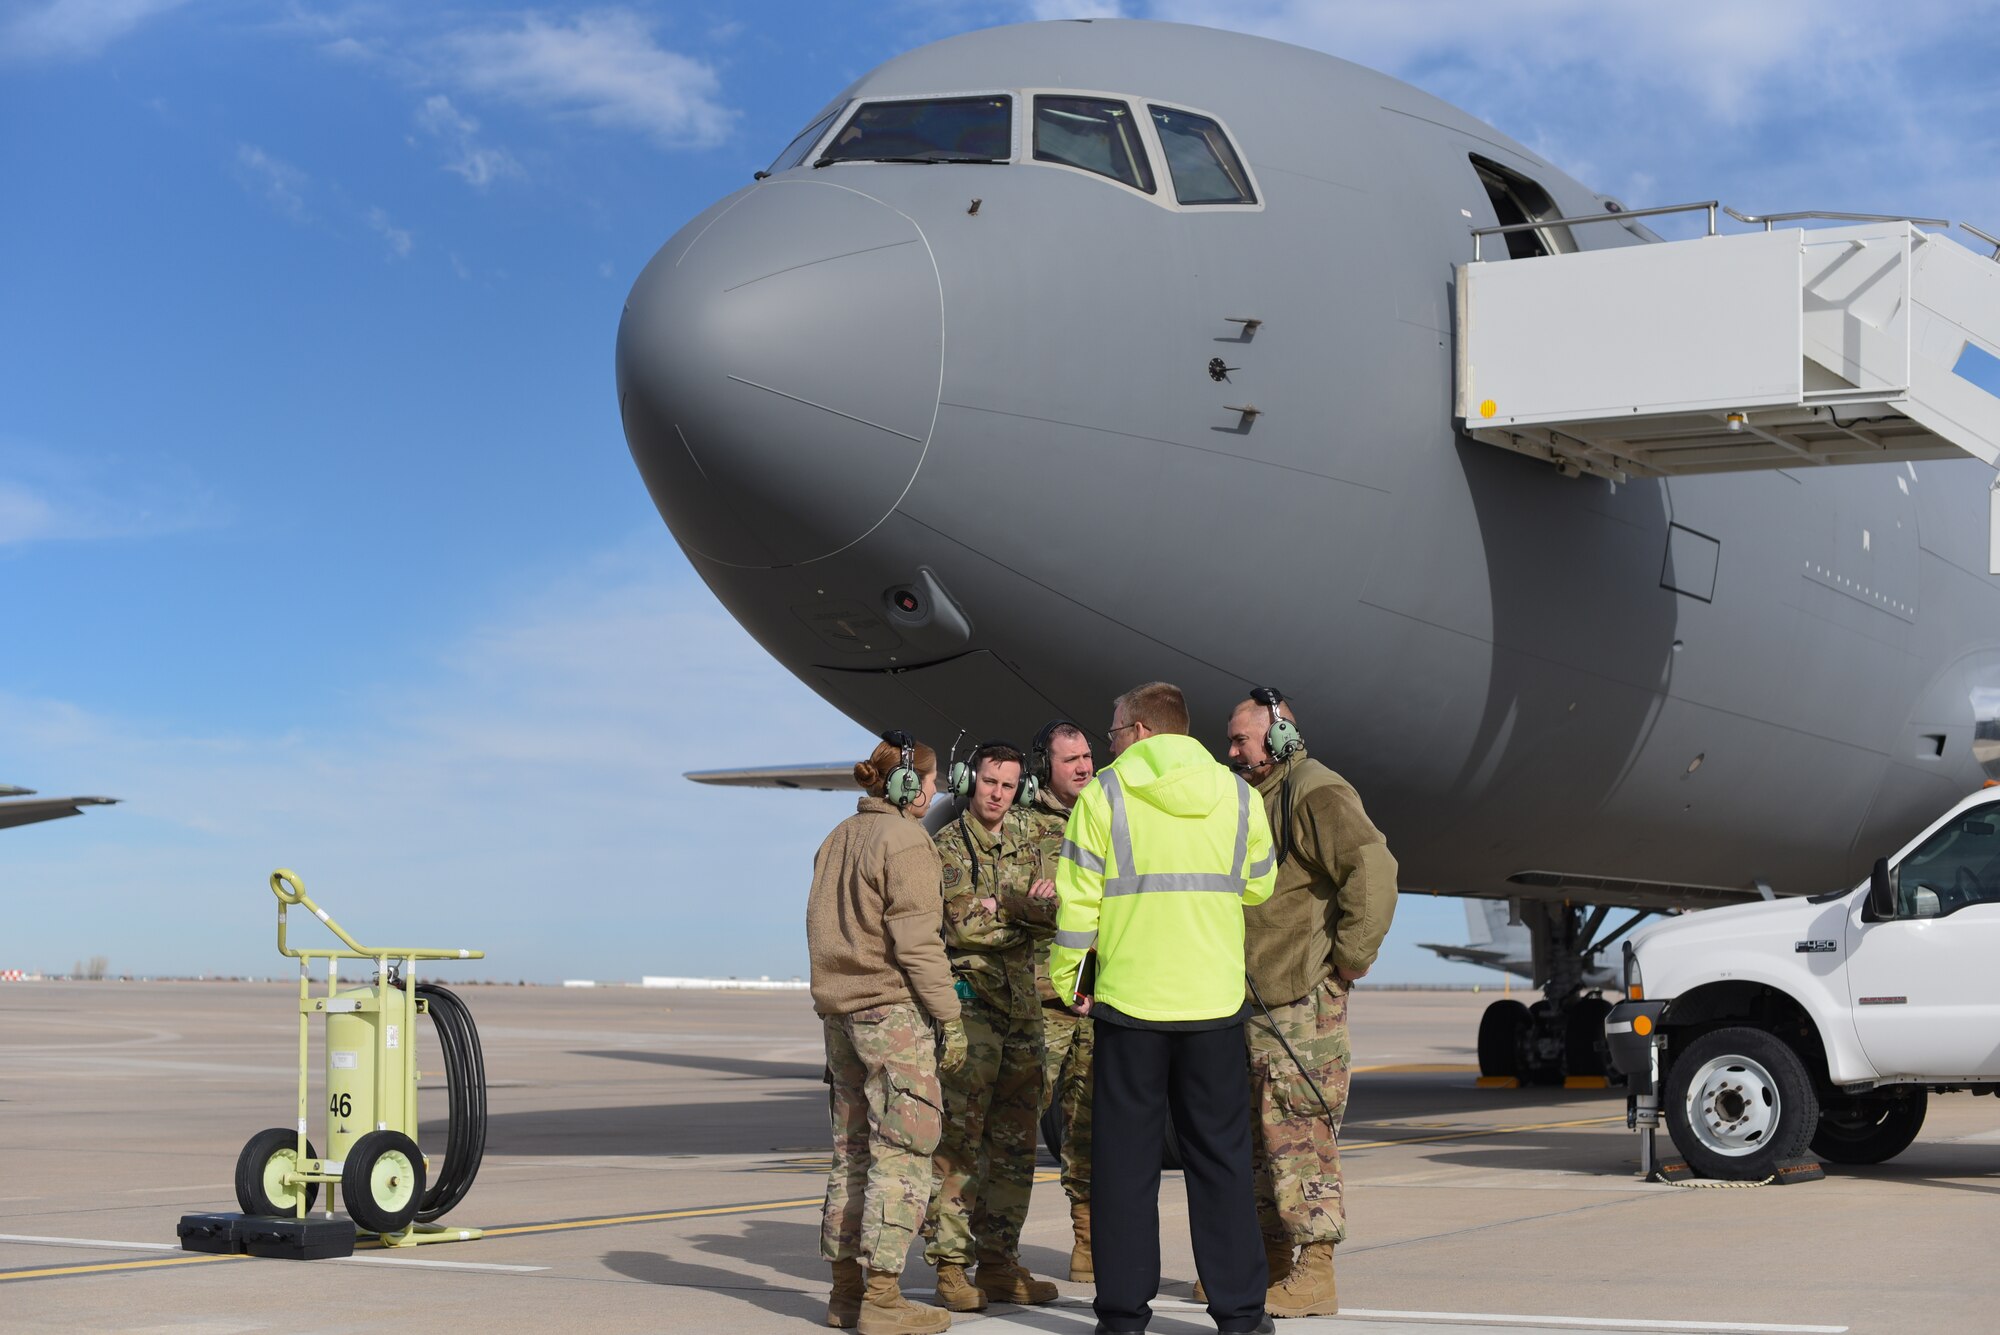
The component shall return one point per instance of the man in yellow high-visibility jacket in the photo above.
(1160, 857)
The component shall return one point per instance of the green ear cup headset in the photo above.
(963, 772)
(1038, 773)
(958, 777)
(904, 784)
(1282, 739)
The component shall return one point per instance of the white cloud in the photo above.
(519, 791)
(479, 164)
(51, 496)
(604, 66)
(73, 29)
(401, 243)
(278, 183)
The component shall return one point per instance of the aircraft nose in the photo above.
(778, 372)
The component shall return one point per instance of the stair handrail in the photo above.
(1766, 219)
(1993, 241)
(1708, 206)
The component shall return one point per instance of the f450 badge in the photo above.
(1818, 946)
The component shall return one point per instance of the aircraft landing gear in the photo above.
(1562, 1035)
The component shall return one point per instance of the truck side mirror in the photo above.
(1881, 892)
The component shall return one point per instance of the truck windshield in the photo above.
(949, 129)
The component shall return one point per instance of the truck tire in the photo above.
(1738, 1103)
(1500, 1030)
(1869, 1130)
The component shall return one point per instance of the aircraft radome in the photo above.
(1056, 358)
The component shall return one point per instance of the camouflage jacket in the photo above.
(1046, 822)
(993, 950)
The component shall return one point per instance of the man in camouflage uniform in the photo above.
(1064, 767)
(985, 1164)
(1304, 948)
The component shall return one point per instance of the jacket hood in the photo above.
(1174, 773)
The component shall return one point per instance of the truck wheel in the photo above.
(1869, 1130)
(1739, 1103)
(1500, 1031)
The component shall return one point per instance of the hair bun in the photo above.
(866, 775)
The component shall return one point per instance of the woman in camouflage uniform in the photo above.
(883, 989)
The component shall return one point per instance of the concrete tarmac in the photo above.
(656, 1161)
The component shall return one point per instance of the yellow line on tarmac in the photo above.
(98, 1268)
(747, 1207)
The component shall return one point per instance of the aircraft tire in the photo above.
(1738, 1103)
(1869, 1130)
(1583, 1023)
(1500, 1029)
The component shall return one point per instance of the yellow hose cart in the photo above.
(372, 1161)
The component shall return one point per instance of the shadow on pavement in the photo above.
(743, 1067)
(653, 1268)
(770, 1123)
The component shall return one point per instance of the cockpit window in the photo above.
(1204, 166)
(795, 152)
(947, 129)
(1095, 134)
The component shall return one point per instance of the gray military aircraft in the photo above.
(42, 808)
(1055, 358)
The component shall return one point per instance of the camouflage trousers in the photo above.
(1295, 1146)
(985, 1165)
(1067, 1044)
(882, 1064)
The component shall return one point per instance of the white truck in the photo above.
(1819, 1027)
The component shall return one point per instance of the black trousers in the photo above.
(1138, 1075)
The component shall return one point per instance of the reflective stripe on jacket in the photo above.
(1161, 854)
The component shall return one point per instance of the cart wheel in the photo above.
(383, 1182)
(260, 1171)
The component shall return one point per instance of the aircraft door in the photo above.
(1921, 983)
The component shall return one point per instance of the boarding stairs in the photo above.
(1785, 347)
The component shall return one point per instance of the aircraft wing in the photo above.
(1552, 887)
(47, 808)
(1492, 959)
(824, 778)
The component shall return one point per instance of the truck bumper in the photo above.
(1630, 1031)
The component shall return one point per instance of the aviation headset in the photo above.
(959, 778)
(1032, 785)
(1282, 739)
(904, 783)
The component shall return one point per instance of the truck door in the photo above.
(1921, 984)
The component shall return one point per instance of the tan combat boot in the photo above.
(1008, 1281)
(1081, 1268)
(843, 1305)
(1277, 1258)
(956, 1292)
(1308, 1290)
(885, 1311)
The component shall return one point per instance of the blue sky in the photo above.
(319, 542)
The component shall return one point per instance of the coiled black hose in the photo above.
(465, 1075)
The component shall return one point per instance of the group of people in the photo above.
(1167, 941)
